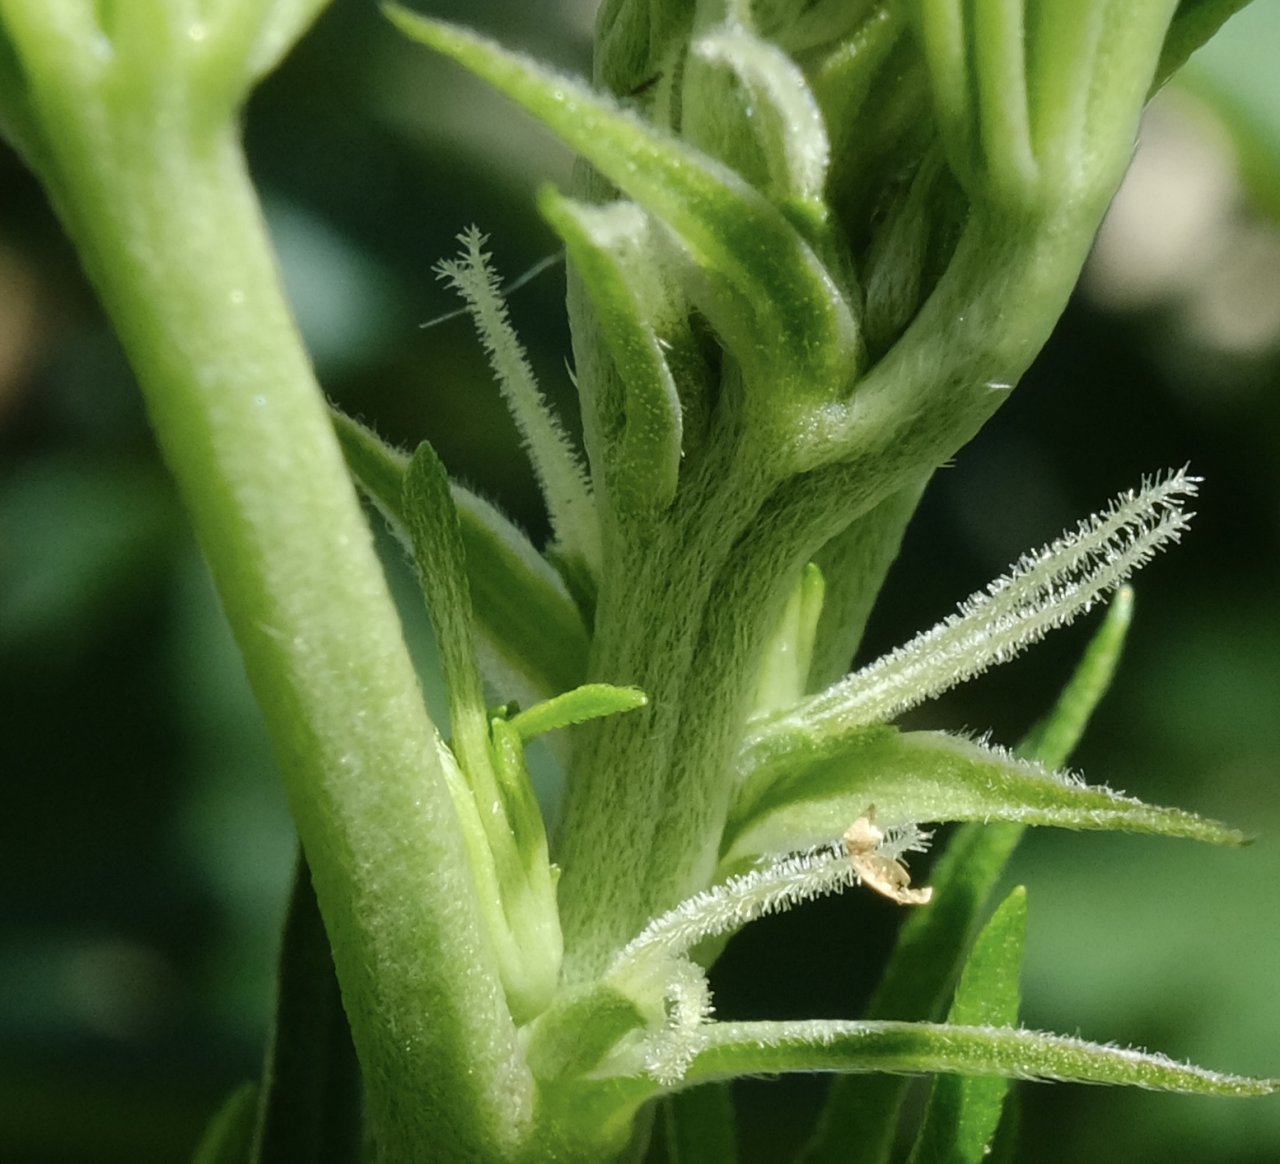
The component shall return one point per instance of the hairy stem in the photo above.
(161, 206)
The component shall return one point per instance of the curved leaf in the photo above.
(769, 296)
(228, 1139)
(783, 117)
(590, 701)
(612, 252)
(309, 1106)
(753, 1048)
(931, 776)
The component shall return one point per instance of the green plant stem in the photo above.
(646, 794)
(159, 201)
(686, 602)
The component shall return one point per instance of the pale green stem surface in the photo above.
(149, 177)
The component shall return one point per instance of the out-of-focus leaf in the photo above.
(700, 1126)
(1192, 25)
(963, 1113)
(79, 536)
(309, 1107)
(229, 1136)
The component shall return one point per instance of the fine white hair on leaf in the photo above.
(773, 886)
(1042, 590)
(658, 957)
(669, 1050)
(560, 473)
(904, 838)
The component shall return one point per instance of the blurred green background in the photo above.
(144, 844)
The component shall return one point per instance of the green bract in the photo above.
(812, 249)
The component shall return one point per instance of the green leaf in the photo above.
(496, 807)
(860, 1117)
(436, 537)
(854, 565)
(1038, 104)
(859, 1120)
(784, 669)
(729, 1050)
(377, 467)
(536, 642)
(768, 295)
(229, 1137)
(1192, 25)
(699, 1126)
(19, 122)
(612, 250)
(1004, 1150)
(963, 1113)
(777, 110)
(932, 776)
(561, 476)
(532, 628)
(1054, 738)
(590, 701)
(309, 1109)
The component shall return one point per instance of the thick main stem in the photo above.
(168, 224)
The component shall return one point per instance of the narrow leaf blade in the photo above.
(535, 640)
(613, 256)
(309, 1106)
(932, 776)
(590, 701)
(1192, 25)
(1051, 741)
(700, 1126)
(438, 552)
(963, 1113)
(228, 1138)
(532, 628)
(752, 1048)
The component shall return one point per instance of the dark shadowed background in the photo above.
(144, 845)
